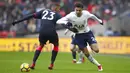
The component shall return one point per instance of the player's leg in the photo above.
(81, 57)
(73, 50)
(93, 45)
(82, 43)
(91, 59)
(94, 48)
(55, 41)
(38, 50)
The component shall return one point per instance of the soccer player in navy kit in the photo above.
(47, 31)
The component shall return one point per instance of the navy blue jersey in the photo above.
(48, 20)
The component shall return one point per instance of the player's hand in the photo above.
(13, 23)
(73, 30)
(102, 23)
(69, 24)
(66, 32)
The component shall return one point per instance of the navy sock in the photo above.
(74, 54)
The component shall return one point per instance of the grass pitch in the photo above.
(10, 63)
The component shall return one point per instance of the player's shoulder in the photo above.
(71, 14)
(85, 12)
(58, 14)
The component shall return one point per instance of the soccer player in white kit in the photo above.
(78, 20)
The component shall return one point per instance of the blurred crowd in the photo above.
(11, 10)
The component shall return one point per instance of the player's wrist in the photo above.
(69, 24)
(101, 22)
(13, 23)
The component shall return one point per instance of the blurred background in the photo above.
(115, 14)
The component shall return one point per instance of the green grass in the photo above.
(10, 63)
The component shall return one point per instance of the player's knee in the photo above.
(72, 50)
(97, 50)
(56, 48)
(79, 51)
(86, 54)
(42, 44)
(56, 44)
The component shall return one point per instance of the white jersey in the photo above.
(81, 23)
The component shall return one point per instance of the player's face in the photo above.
(78, 11)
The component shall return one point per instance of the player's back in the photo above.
(48, 20)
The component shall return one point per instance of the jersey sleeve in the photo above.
(38, 15)
(89, 15)
(58, 16)
(64, 20)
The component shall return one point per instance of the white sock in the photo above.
(81, 56)
(74, 59)
(92, 60)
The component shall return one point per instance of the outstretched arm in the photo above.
(66, 24)
(34, 15)
(24, 18)
(66, 31)
(95, 18)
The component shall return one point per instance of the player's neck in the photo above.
(79, 15)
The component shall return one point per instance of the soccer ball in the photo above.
(24, 67)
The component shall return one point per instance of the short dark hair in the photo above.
(78, 4)
(54, 5)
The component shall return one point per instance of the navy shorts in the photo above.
(82, 39)
(53, 38)
(73, 41)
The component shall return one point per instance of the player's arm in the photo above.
(66, 24)
(66, 31)
(24, 18)
(95, 18)
(34, 15)
(65, 20)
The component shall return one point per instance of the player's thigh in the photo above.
(73, 45)
(91, 38)
(42, 39)
(80, 41)
(94, 47)
(92, 41)
(54, 39)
